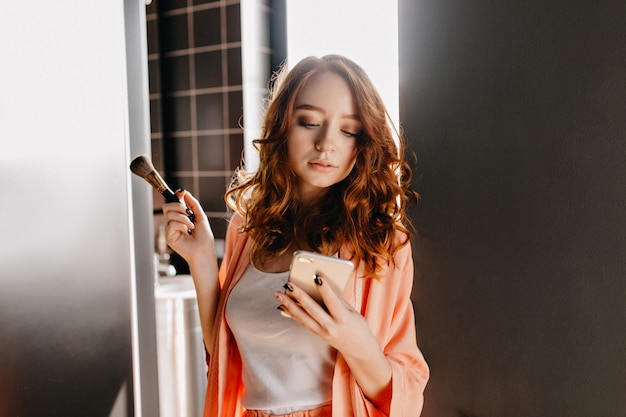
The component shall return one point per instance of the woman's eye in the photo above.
(307, 124)
(350, 134)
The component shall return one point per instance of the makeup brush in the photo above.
(142, 167)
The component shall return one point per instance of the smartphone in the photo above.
(306, 265)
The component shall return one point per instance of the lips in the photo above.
(322, 163)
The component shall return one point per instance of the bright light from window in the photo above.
(365, 31)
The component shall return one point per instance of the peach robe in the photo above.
(385, 304)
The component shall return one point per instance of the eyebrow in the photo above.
(321, 110)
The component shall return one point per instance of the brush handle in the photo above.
(142, 167)
(170, 197)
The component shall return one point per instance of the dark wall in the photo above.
(517, 112)
(196, 100)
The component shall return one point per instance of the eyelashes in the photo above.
(309, 125)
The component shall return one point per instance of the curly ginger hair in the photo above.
(366, 210)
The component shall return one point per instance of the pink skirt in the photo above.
(325, 411)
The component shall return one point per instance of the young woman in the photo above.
(331, 180)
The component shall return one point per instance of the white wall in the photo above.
(66, 262)
(365, 31)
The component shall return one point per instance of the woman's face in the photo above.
(321, 140)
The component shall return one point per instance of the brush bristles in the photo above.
(142, 166)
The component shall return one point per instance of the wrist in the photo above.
(373, 373)
(205, 260)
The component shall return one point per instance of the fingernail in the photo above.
(189, 231)
(180, 190)
(288, 287)
(318, 280)
(283, 312)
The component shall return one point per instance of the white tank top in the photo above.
(286, 368)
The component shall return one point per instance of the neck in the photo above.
(310, 197)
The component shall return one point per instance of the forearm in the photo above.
(205, 277)
(372, 372)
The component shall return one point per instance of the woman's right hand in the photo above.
(198, 249)
(200, 242)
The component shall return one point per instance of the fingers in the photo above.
(335, 304)
(193, 205)
(300, 306)
(177, 222)
(177, 217)
(296, 304)
(180, 216)
(341, 326)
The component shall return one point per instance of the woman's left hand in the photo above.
(340, 325)
(344, 328)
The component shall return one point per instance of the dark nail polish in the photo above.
(317, 280)
(180, 190)
(189, 231)
(281, 308)
(190, 215)
(288, 287)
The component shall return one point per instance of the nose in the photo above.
(323, 147)
(324, 142)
